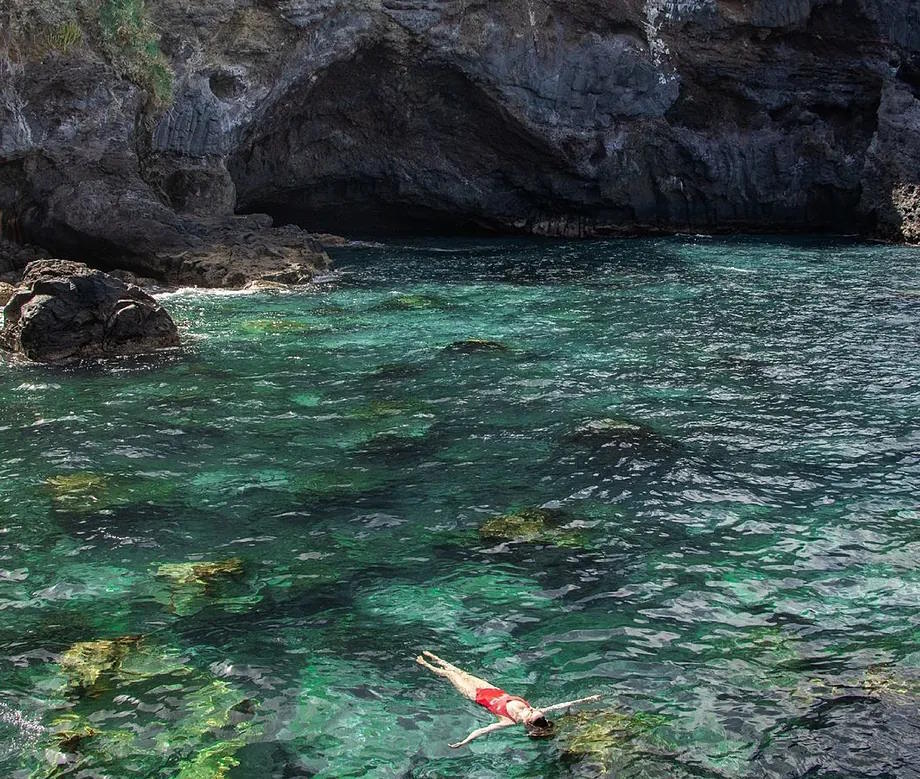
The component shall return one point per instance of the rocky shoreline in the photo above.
(183, 141)
(203, 144)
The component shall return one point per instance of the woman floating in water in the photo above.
(510, 709)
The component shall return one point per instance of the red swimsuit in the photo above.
(497, 701)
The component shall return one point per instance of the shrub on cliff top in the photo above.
(32, 29)
(134, 48)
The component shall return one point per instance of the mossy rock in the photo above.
(195, 586)
(197, 734)
(77, 488)
(476, 346)
(603, 738)
(200, 574)
(380, 409)
(395, 371)
(333, 483)
(66, 739)
(532, 525)
(213, 762)
(217, 722)
(86, 663)
(85, 491)
(330, 310)
(400, 441)
(411, 302)
(69, 733)
(131, 43)
(881, 681)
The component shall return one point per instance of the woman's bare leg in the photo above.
(479, 683)
(439, 671)
(466, 683)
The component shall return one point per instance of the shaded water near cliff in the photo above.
(730, 555)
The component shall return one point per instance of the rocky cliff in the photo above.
(127, 130)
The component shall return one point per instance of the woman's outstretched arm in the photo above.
(557, 706)
(504, 723)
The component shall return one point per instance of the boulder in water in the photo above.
(531, 525)
(64, 310)
(475, 346)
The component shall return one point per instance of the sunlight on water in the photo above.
(682, 473)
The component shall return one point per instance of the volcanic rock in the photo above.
(564, 118)
(64, 310)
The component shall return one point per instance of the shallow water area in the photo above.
(682, 473)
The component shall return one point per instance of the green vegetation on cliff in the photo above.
(133, 46)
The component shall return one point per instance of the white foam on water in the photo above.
(366, 245)
(206, 292)
(30, 729)
(732, 268)
(28, 387)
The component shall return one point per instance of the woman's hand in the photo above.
(503, 723)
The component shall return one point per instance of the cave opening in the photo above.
(375, 148)
(370, 220)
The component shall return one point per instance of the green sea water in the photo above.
(683, 473)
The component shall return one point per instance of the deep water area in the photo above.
(683, 473)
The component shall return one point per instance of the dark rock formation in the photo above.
(64, 310)
(562, 118)
(249, 251)
(15, 256)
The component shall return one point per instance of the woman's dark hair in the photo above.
(539, 728)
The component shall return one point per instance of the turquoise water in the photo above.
(711, 448)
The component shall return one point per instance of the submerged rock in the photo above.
(603, 738)
(388, 373)
(194, 733)
(619, 434)
(84, 491)
(533, 525)
(476, 345)
(80, 488)
(192, 587)
(277, 326)
(70, 740)
(330, 483)
(380, 409)
(411, 302)
(880, 681)
(64, 310)
(86, 662)
(200, 574)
